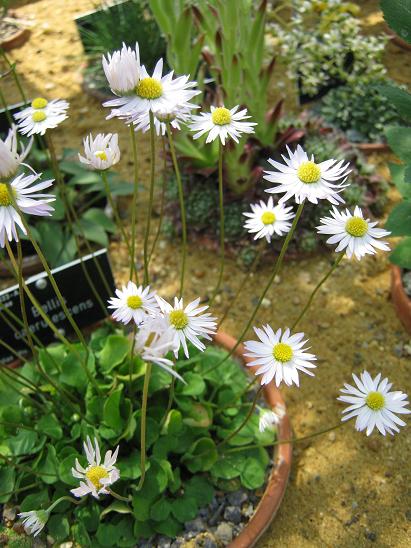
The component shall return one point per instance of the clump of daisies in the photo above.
(41, 115)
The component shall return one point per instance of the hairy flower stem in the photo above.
(18, 269)
(12, 67)
(247, 418)
(169, 403)
(276, 270)
(315, 291)
(162, 199)
(75, 226)
(133, 268)
(143, 425)
(131, 362)
(292, 440)
(182, 208)
(56, 290)
(70, 499)
(150, 198)
(116, 214)
(246, 277)
(221, 206)
(117, 496)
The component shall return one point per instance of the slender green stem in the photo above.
(117, 496)
(133, 268)
(6, 380)
(143, 425)
(12, 66)
(221, 206)
(20, 490)
(116, 214)
(182, 208)
(6, 108)
(315, 291)
(131, 362)
(56, 290)
(292, 440)
(237, 397)
(276, 270)
(245, 279)
(75, 225)
(70, 499)
(247, 418)
(169, 403)
(162, 199)
(150, 199)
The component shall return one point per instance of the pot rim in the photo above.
(277, 483)
(401, 301)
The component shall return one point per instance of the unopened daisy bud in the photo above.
(122, 69)
(269, 419)
(222, 123)
(41, 115)
(102, 152)
(34, 521)
(374, 405)
(97, 476)
(279, 356)
(354, 234)
(133, 303)
(173, 115)
(10, 158)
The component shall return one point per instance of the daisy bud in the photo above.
(102, 152)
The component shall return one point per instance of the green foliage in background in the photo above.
(397, 13)
(40, 439)
(363, 113)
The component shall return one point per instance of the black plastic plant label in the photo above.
(85, 284)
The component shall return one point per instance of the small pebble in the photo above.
(224, 532)
(370, 535)
(266, 303)
(233, 514)
(196, 525)
(237, 498)
(331, 436)
(397, 350)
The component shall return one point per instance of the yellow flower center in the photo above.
(282, 352)
(149, 88)
(95, 474)
(309, 172)
(5, 198)
(134, 302)
(39, 102)
(178, 319)
(267, 218)
(101, 154)
(375, 401)
(38, 116)
(221, 116)
(356, 227)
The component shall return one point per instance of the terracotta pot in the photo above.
(369, 148)
(277, 482)
(402, 303)
(16, 40)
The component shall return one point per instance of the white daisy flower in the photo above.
(301, 178)
(175, 115)
(96, 477)
(133, 303)
(222, 122)
(154, 340)
(279, 355)
(353, 233)
(188, 323)
(34, 521)
(374, 405)
(10, 158)
(155, 93)
(267, 219)
(269, 419)
(102, 152)
(28, 199)
(41, 115)
(122, 69)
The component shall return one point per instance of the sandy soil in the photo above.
(346, 490)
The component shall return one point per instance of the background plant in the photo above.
(322, 46)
